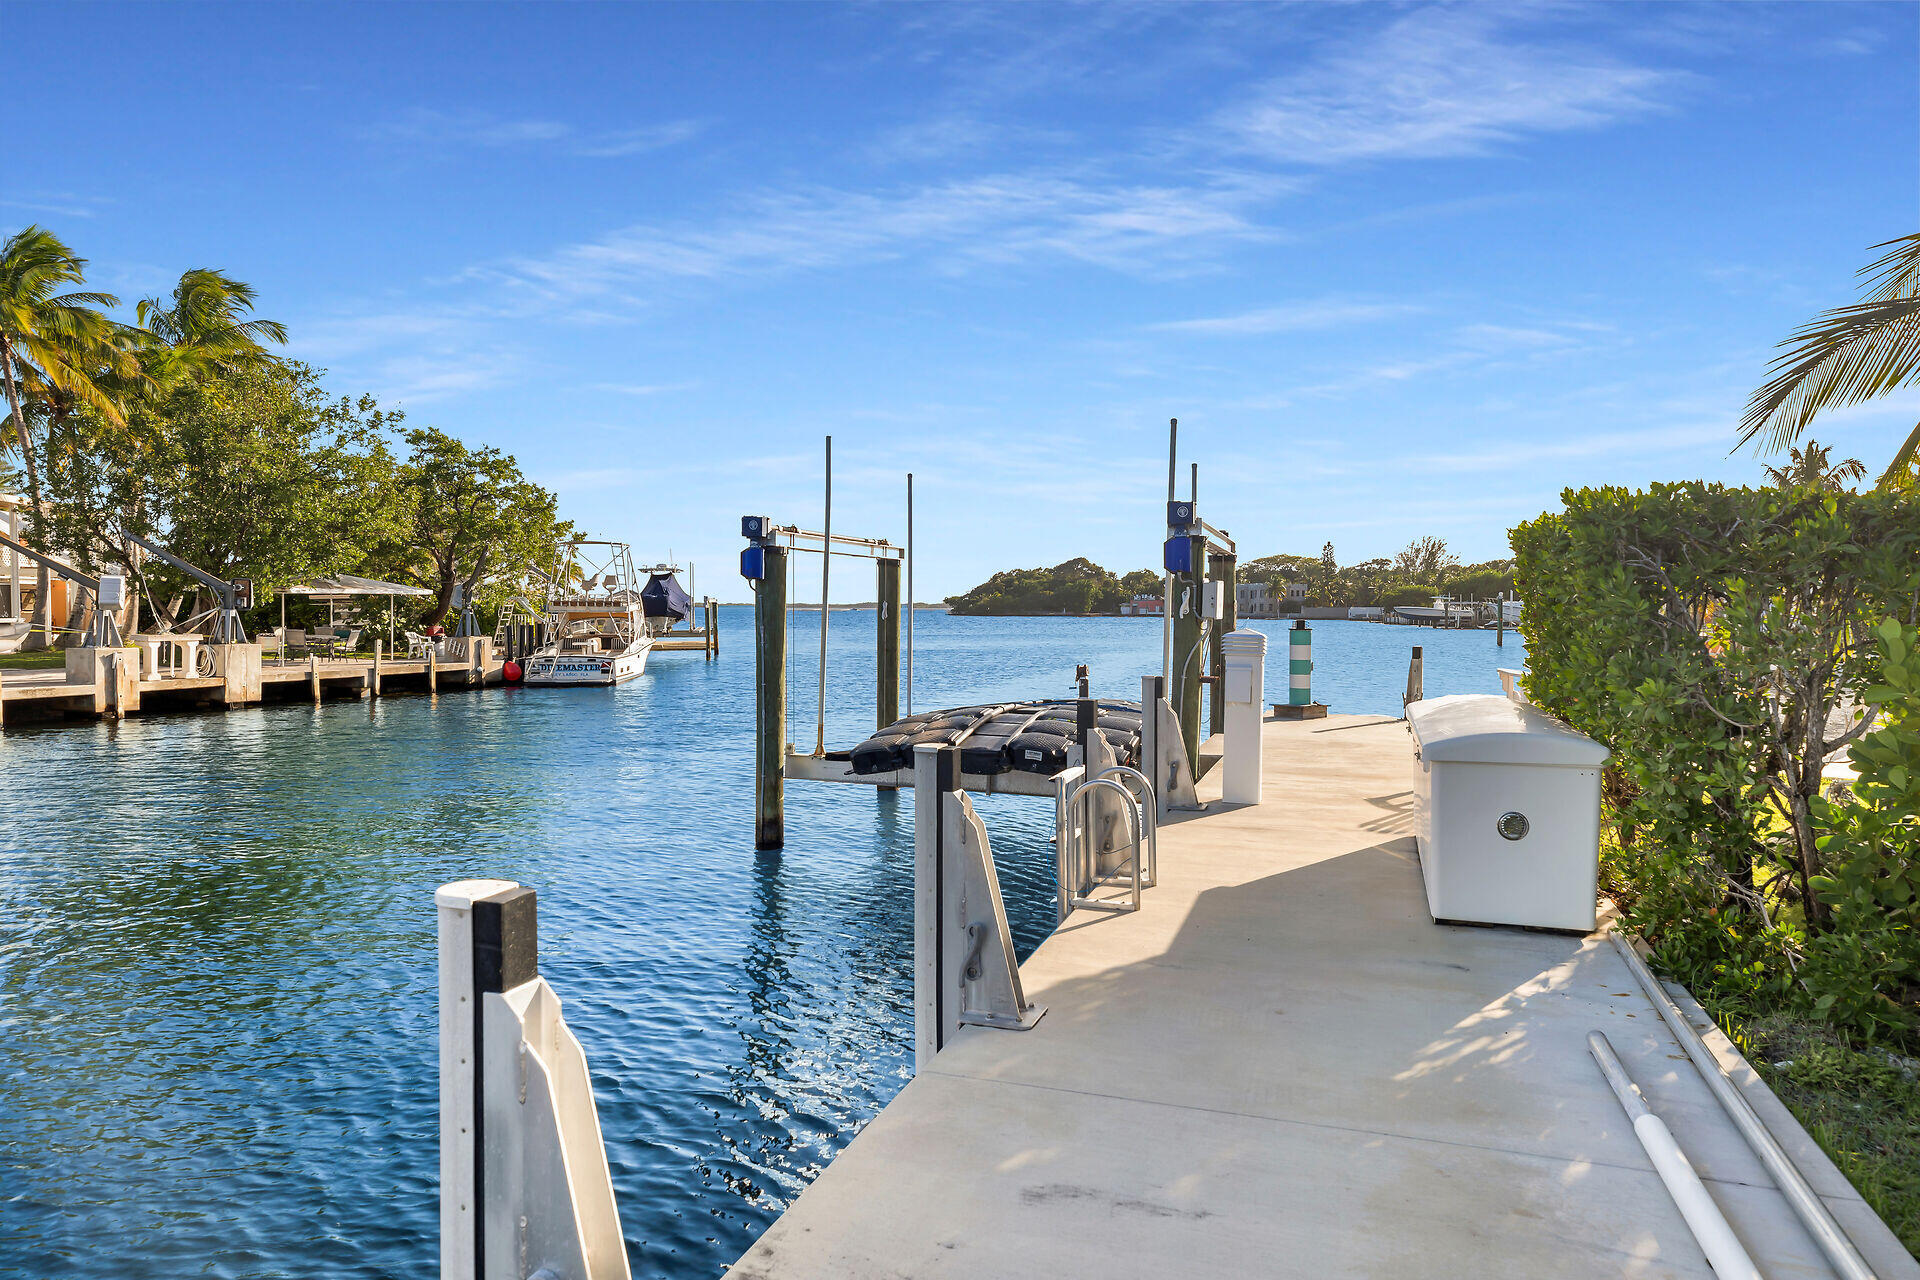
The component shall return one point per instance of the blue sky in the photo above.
(1397, 269)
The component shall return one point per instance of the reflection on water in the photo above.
(217, 952)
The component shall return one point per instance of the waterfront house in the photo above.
(1261, 600)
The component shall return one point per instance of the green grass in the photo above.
(42, 660)
(1861, 1105)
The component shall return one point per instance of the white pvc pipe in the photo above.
(1807, 1206)
(909, 593)
(1725, 1254)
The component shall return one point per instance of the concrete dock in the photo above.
(1281, 1066)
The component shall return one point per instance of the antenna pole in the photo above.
(826, 571)
(909, 593)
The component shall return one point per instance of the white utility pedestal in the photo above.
(1508, 812)
(1244, 684)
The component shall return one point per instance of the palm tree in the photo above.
(201, 331)
(54, 343)
(1808, 468)
(1848, 355)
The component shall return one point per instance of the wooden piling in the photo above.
(886, 661)
(1222, 569)
(770, 702)
(373, 676)
(1188, 659)
(313, 676)
(433, 669)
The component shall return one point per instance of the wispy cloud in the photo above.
(1326, 313)
(996, 219)
(643, 389)
(427, 127)
(58, 204)
(1437, 82)
(633, 142)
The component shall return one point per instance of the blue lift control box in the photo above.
(753, 563)
(1179, 554)
(1180, 515)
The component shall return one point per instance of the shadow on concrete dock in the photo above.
(1281, 1066)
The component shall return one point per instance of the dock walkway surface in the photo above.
(1281, 1066)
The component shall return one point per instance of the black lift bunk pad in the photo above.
(1032, 737)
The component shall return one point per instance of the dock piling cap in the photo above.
(463, 894)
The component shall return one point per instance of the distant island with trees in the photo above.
(1423, 569)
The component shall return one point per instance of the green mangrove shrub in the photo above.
(1723, 642)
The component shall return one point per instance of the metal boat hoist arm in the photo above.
(226, 626)
(105, 631)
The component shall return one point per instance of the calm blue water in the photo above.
(217, 1042)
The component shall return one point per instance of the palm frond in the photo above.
(1902, 459)
(1846, 356)
(1897, 272)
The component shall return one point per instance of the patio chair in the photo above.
(417, 644)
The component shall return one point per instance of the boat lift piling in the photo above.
(1200, 563)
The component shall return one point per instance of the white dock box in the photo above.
(1508, 813)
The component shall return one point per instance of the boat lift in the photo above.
(105, 631)
(765, 565)
(232, 596)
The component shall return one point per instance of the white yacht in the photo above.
(597, 632)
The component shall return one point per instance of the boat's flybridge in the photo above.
(596, 617)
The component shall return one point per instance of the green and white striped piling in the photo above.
(1299, 704)
(1300, 665)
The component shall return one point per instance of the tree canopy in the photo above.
(1078, 586)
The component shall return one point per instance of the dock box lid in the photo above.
(1489, 729)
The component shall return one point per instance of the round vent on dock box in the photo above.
(1512, 826)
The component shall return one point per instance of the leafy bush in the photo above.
(1707, 636)
(1866, 964)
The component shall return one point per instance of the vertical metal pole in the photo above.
(1166, 604)
(770, 702)
(826, 570)
(886, 658)
(909, 593)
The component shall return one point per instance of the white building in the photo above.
(1260, 600)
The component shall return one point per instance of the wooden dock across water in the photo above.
(1280, 1066)
(48, 694)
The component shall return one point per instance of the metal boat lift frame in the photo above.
(765, 565)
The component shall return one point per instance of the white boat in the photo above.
(1443, 611)
(596, 621)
